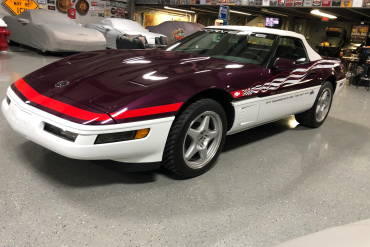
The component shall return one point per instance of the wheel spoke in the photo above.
(204, 124)
(203, 153)
(193, 134)
(212, 134)
(191, 151)
(319, 115)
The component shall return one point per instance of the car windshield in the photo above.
(238, 46)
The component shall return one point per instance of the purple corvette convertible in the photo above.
(173, 107)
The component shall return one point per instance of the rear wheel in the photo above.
(196, 139)
(316, 116)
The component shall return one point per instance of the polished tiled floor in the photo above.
(271, 183)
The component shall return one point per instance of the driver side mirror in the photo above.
(107, 27)
(282, 63)
(23, 21)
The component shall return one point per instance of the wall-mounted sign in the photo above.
(289, 3)
(82, 7)
(326, 3)
(273, 2)
(307, 3)
(106, 12)
(18, 6)
(251, 2)
(101, 5)
(101, 14)
(41, 1)
(63, 5)
(316, 3)
(347, 3)
(258, 2)
(281, 2)
(50, 7)
(51, 2)
(94, 13)
(298, 3)
(336, 3)
(42, 6)
(94, 3)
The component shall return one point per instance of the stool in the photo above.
(365, 77)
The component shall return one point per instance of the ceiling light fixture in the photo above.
(238, 12)
(184, 10)
(317, 12)
(274, 13)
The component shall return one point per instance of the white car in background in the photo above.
(47, 31)
(111, 28)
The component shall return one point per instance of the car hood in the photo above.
(110, 79)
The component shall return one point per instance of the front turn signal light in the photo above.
(141, 133)
(121, 136)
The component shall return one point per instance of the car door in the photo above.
(290, 90)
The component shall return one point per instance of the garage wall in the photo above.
(83, 19)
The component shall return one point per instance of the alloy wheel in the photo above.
(323, 105)
(202, 139)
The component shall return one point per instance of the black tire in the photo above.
(174, 152)
(309, 117)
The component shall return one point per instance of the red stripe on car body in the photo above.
(32, 95)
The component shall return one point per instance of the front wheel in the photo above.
(196, 139)
(316, 116)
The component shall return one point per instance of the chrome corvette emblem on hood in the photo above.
(62, 84)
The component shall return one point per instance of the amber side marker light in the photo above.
(122, 136)
(141, 133)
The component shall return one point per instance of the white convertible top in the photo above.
(311, 53)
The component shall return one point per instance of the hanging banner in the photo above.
(223, 13)
(266, 2)
(281, 2)
(326, 3)
(258, 2)
(346, 3)
(298, 3)
(316, 3)
(307, 3)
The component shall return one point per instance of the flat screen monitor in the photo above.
(272, 22)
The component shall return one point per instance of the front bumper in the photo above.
(29, 122)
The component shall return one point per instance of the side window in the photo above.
(291, 48)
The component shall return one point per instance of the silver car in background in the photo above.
(111, 28)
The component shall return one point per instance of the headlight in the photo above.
(121, 136)
(69, 136)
